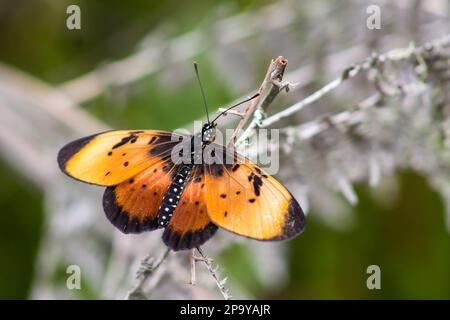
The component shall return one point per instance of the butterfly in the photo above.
(189, 196)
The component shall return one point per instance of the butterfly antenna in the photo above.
(236, 105)
(201, 90)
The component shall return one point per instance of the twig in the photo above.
(213, 271)
(193, 261)
(146, 269)
(351, 117)
(268, 90)
(312, 128)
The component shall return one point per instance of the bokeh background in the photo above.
(130, 66)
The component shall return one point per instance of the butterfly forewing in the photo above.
(112, 157)
(245, 200)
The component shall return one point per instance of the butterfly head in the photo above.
(209, 132)
(209, 128)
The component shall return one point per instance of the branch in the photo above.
(213, 271)
(146, 270)
(271, 86)
(193, 261)
(312, 128)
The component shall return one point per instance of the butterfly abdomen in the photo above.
(173, 194)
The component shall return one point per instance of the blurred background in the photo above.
(376, 187)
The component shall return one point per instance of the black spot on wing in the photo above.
(235, 167)
(121, 219)
(125, 140)
(188, 240)
(257, 183)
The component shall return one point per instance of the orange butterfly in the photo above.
(147, 189)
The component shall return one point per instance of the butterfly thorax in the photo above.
(208, 133)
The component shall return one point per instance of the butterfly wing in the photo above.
(190, 225)
(243, 199)
(111, 157)
(132, 206)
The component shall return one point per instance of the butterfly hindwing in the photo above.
(243, 199)
(111, 157)
(190, 225)
(132, 206)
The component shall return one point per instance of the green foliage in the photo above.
(153, 105)
(86, 291)
(21, 222)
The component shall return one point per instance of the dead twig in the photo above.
(312, 128)
(213, 271)
(271, 86)
(146, 270)
(193, 261)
